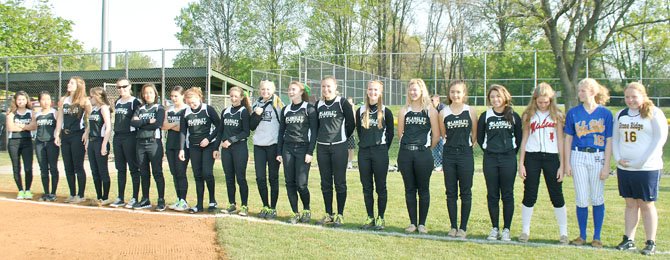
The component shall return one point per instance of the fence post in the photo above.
(391, 76)
(534, 70)
(434, 75)
(60, 76)
(587, 66)
(346, 68)
(126, 64)
(162, 75)
(209, 76)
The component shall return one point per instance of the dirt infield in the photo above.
(36, 230)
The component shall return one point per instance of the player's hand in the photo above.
(522, 172)
(559, 174)
(308, 158)
(279, 159)
(57, 141)
(153, 120)
(216, 155)
(182, 157)
(204, 143)
(225, 144)
(604, 173)
(258, 110)
(103, 150)
(568, 170)
(624, 162)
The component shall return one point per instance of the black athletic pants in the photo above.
(332, 161)
(47, 157)
(21, 149)
(267, 155)
(150, 154)
(202, 164)
(547, 163)
(373, 164)
(416, 168)
(234, 160)
(125, 154)
(99, 168)
(500, 173)
(459, 167)
(296, 174)
(73, 152)
(178, 170)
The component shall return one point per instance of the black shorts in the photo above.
(638, 184)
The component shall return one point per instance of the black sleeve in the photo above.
(358, 123)
(518, 131)
(313, 127)
(216, 121)
(481, 129)
(245, 128)
(349, 120)
(183, 130)
(137, 123)
(219, 129)
(160, 117)
(388, 120)
(254, 119)
(280, 134)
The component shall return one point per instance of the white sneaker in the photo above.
(493, 235)
(505, 235)
(350, 165)
(438, 169)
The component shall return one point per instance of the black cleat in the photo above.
(161, 205)
(143, 204)
(649, 248)
(626, 244)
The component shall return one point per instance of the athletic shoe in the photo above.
(244, 211)
(350, 166)
(69, 199)
(43, 197)
(326, 220)
(422, 229)
(51, 197)
(264, 212)
(649, 248)
(523, 238)
(271, 214)
(597, 243)
(160, 205)
(107, 202)
(306, 216)
(563, 240)
(19, 196)
(339, 220)
(131, 203)
(379, 223)
(438, 169)
(183, 206)
(230, 209)
(626, 244)
(212, 207)
(27, 195)
(194, 210)
(410, 229)
(452, 232)
(461, 234)
(505, 235)
(294, 218)
(145, 203)
(369, 223)
(493, 235)
(174, 205)
(77, 200)
(578, 241)
(118, 202)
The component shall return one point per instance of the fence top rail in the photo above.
(444, 53)
(94, 53)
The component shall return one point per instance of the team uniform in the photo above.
(20, 146)
(297, 138)
(640, 141)
(542, 155)
(97, 161)
(125, 149)
(46, 151)
(177, 167)
(336, 124)
(196, 125)
(458, 163)
(266, 127)
(150, 152)
(234, 128)
(373, 158)
(72, 147)
(500, 139)
(587, 158)
(415, 163)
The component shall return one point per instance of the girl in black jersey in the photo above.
(20, 145)
(233, 133)
(46, 150)
(124, 143)
(199, 130)
(99, 133)
(295, 146)
(172, 124)
(336, 124)
(419, 131)
(72, 136)
(499, 134)
(374, 124)
(148, 121)
(458, 128)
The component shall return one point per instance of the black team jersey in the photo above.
(145, 113)
(73, 116)
(458, 127)
(173, 116)
(198, 124)
(299, 124)
(417, 128)
(372, 135)
(46, 125)
(25, 119)
(234, 124)
(336, 121)
(96, 124)
(497, 135)
(123, 113)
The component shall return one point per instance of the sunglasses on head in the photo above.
(120, 87)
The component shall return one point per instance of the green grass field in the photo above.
(243, 238)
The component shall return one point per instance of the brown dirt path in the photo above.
(38, 230)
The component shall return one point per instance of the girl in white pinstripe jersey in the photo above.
(588, 145)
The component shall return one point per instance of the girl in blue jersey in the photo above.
(20, 144)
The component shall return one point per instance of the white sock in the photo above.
(562, 219)
(526, 214)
